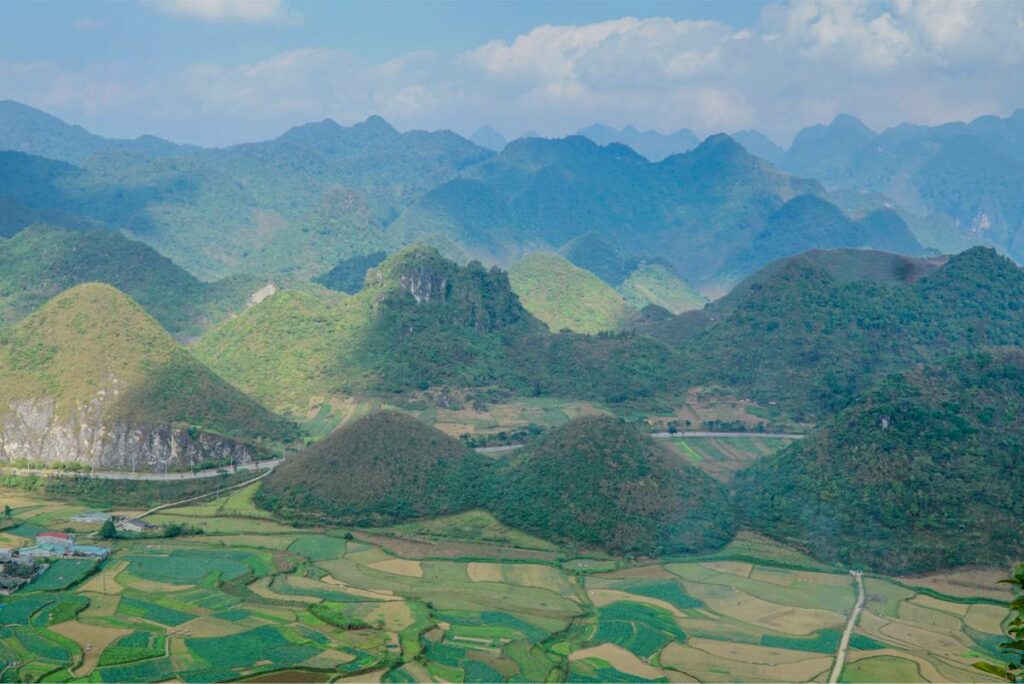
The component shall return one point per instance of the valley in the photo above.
(469, 599)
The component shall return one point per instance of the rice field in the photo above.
(277, 603)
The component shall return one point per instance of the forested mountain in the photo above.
(566, 297)
(809, 337)
(379, 469)
(90, 376)
(29, 130)
(295, 205)
(923, 472)
(599, 482)
(40, 262)
(422, 321)
(699, 211)
(970, 172)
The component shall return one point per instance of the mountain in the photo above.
(698, 211)
(596, 253)
(969, 173)
(380, 469)
(566, 297)
(488, 138)
(29, 130)
(760, 145)
(349, 274)
(597, 482)
(90, 377)
(809, 222)
(293, 207)
(921, 473)
(40, 262)
(421, 321)
(656, 284)
(651, 144)
(809, 338)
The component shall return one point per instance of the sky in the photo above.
(218, 72)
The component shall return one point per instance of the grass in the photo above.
(881, 669)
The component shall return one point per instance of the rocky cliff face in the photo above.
(34, 430)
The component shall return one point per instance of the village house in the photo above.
(94, 517)
(134, 525)
(55, 538)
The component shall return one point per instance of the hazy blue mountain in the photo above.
(485, 136)
(969, 173)
(295, 205)
(760, 145)
(29, 130)
(651, 144)
(607, 208)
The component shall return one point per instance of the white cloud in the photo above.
(248, 11)
(88, 24)
(801, 63)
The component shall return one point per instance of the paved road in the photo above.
(763, 435)
(844, 644)
(206, 495)
(119, 475)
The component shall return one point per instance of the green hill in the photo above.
(656, 284)
(41, 262)
(566, 297)
(922, 473)
(92, 356)
(598, 482)
(380, 469)
(809, 339)
(421, 321)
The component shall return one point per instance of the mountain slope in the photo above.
(29, 130)
(922, 473)
(809, 340)
(970, 173)
(656, 284)
(90, 376)
(651, 144)
(41, 262)
(566, 297)
(597, 482)
(421, 321)
(698, 211)
(379, 469)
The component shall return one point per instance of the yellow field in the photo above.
(722, 661)
(485, 572)
(620, 659)
(105, 581)
(92, 639)
(399, 566)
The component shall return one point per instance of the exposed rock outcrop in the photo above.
(34, 430)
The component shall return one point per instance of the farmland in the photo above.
(465, 599)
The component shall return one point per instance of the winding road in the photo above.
(844, 644)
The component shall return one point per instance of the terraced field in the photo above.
(256, 600)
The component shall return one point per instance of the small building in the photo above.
(94, 517)
(134, 525)
(61, 538)
(90, 551)
(44, 550)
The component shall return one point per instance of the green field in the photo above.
(450, 599)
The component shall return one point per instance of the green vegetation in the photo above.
(349, 274)
(599, 482)
(379, 469)
(922, 473)
(657, 284)
(41, 261)
(422, 321)
(63, 573)
(90, 339)
(811, 340)
(138, 645)
(566, 297)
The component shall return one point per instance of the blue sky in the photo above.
(226, 71)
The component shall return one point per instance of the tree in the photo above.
(108, 531)
(7, 511)
(1013, 671)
